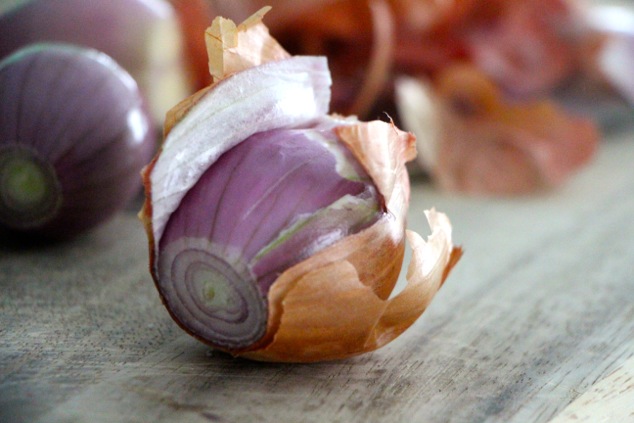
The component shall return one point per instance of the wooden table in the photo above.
(536, 324)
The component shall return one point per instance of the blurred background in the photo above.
(506, 97)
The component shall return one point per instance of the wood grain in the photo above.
(537, 319)
(609, 400)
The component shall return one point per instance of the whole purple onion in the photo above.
(74, 134)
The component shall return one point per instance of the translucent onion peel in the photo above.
(333, 298)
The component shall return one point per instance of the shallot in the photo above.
(276, 230)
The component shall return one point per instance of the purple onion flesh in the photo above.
(74, 135)
(271, 201)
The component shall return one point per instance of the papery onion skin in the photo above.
(486, 145)
(74, 126)
(332, 304)
(143, 36)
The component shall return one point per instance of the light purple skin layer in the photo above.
(221, 249)
(78, 111)
(288, 93)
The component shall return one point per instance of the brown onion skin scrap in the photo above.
(491, 146)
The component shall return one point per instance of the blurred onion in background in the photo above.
(143, 36)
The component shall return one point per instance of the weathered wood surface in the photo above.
(610, 400)
(536, 323)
